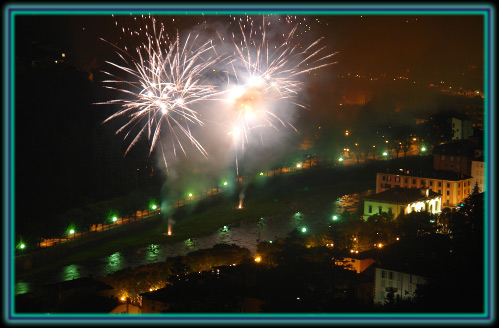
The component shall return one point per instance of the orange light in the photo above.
(258, 259)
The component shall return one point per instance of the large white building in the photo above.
(402, 285)
(402, 201)
(478, 174)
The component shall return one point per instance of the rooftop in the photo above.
(403, 195)
(457, 148)
(429, 174)
(85, 282)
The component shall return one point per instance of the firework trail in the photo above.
(263, 73)
(166, 81)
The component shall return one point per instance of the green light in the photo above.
(341, 159)
(335, 217)
(298, 165)
(261, 173)
(71, 231)
(115, 219)
(385, 153)
(423, 149)
(225, 183)
(190, 194)
(154, 207)
(303, 229)
(22, 246)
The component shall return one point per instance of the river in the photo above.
(243, 234)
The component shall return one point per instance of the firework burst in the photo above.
(167, 80)
(265, 73)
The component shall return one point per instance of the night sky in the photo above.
(61, 142)
(429, 47)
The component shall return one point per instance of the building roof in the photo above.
(403, 195)
(85, 282)
(428, 174)
(463, 148)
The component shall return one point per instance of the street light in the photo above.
(225, 183)
(115, 219)
(303, 229)
(335, 218)
(340, 159)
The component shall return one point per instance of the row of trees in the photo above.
(364, 139)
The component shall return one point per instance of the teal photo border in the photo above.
(11, 11)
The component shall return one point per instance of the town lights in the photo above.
(258, 259)
(380, 245)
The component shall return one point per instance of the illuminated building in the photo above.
(453, 187)
(402, 201)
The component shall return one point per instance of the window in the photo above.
(448, 185)
(380, 208)
(452, 158)
(431, 183)
(383, 283)
(440, 191)
(390, 283)
(390, 210)
(399, 275)
(397, 179)
(390, 275)
(382, 295)
(410, 288)
(447, 201)
(422, 181)
(370, 208)
(459, 184)
(383, 178)
(406, 180)
(389, 178)
(458, 192)
(447, 193)
(443, 157)
(440, 184)
(383, 274)
(451, 165)
(413, 181)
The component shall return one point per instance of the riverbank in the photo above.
(311, 192)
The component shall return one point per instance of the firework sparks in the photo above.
(166, 82)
